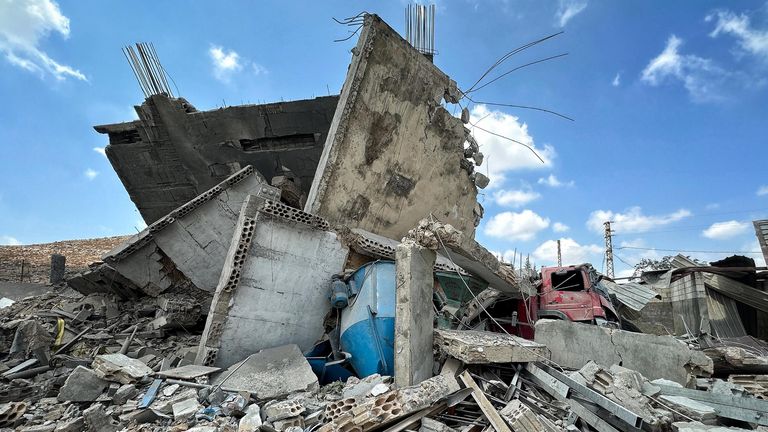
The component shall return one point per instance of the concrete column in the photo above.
(58, 264)
(414, 313)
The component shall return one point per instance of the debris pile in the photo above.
(372, 307)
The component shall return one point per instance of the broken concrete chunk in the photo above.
(185, 409)
(120, 368)
(271, 373)
(701, 427)
(82, 385)
(521, 418)
(427, 392)
(573, 345)
(278, 410)
(124, 393)
(251, 421)
(479, 347)
(429, 425)
(98, 420)
(76, 424)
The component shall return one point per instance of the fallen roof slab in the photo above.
(480, 347)
(189, 244)
(470, 255)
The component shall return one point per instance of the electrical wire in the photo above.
(510, 54)
(510, 139)
(684, 250)
(518, 68)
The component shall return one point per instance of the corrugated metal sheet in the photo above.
(761, 231)
(724, 318)
(632, 295)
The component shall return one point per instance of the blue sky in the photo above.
(669, 101)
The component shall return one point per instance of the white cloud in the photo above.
(571, 251)
(762, 190)
(24, 24)
(100, 150)
(516, 226)
(90, 174)
(700, 76)
(9, 241)
(501, 155)
(616, 80)
(632, 220)
(725, 230)
(567, 9)
(515, 198)
(750, 40)
(559, 227)
(553, 181)
(225, 62)
(712, 206)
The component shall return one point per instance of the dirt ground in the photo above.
(37, 257)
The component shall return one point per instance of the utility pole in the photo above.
(559, 256)
(608, 249)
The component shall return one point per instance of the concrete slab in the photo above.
(573, 345)
(468, 254)
(175, 152)
(479, 347)
(393, 155)
(271, 373)
(274, 285)
(188, 371)
(414, 313)
(189, 245)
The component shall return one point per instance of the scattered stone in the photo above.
(185, 409)
(120, 368)
(251, 421)
(83, 385)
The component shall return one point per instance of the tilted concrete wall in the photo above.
(573, 345)
(190, 243)
(393, 154)
(175, 152)
(274, 287)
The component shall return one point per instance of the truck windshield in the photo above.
(570, 280)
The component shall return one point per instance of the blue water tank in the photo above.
(368, 323)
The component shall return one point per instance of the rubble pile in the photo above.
(364, 303)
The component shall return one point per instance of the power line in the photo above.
(684, 250)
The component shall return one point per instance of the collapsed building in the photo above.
(312, 266)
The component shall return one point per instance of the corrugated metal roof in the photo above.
(633, 295)
(761, 231)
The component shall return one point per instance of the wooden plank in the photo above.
(485, 405)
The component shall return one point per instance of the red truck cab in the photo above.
(573, 293)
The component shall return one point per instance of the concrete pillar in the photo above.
(58, 264)
(414, 313)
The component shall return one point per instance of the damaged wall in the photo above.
(393, 154)
(190, 243)
(273, 289)
(175, 152)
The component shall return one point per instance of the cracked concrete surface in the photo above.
(573, 345)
